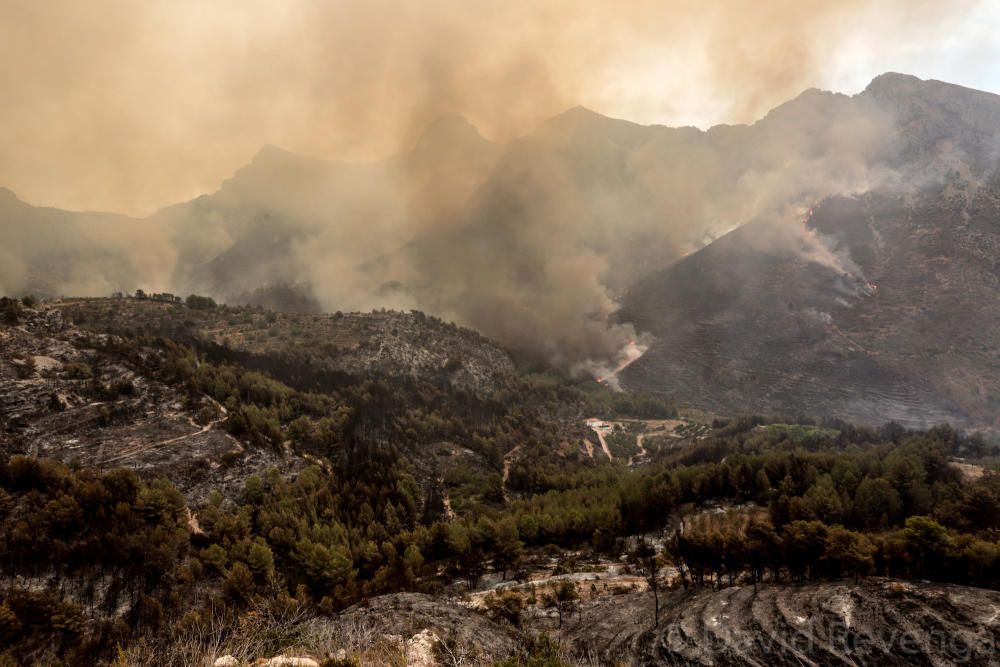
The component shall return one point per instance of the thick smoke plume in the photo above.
(531, 236)
(129, 106)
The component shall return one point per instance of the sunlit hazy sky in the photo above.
(963, 48)
(965, 51)
(128, 106)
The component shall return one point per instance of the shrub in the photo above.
(195, 302)
(78, 371)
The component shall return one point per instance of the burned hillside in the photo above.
(889, 333)
(304, 347)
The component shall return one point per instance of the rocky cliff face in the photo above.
(940, 121)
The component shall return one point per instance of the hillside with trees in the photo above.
(363, 501)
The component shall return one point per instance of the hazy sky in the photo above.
(129, 105)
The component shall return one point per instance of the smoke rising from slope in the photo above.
(532, 243)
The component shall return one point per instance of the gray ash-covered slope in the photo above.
(881, 306)
(76, 386)
(391, 345)
(876, 621)
(909, 332)
(74, 396)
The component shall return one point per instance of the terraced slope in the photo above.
(876, 622)
(84, 403)
(904, 329)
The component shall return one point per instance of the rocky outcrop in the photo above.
(421, 649)
(428, 620)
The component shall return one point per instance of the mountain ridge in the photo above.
(884, 84)
(535, 242)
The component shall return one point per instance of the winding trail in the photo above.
(642, 450)
(140, 448)
(204, 429)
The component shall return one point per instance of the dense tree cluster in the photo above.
(110, 542)
(196, 302)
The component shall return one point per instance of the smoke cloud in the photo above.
(130, 106)
(530, 231)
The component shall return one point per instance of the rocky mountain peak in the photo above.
(893, 82)
(447, 131)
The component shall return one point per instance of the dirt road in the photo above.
(642, 450)
(628, 355)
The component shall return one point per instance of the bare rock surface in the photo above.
(421, 649)
(428, 620)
